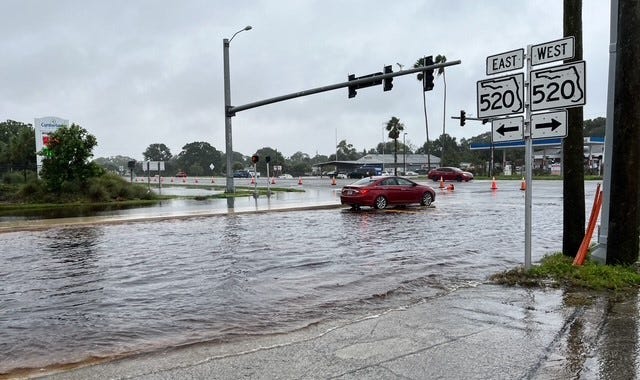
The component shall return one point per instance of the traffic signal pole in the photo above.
(232, 110)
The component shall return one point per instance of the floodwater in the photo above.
(73, 294)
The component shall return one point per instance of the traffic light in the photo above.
(388, 82)
(255, 158)
(463, 117)
(352, 89)
(427, 78)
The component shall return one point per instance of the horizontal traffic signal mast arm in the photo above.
(482, 119)
(232, 110)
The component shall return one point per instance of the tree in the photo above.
(157, 152)
(419, 63)
(443, 59)
(572, 152)
(22, 150)
(68, 168)
(595, 127)
(196, 158)
(394, 126)
(17, 147)
(346, 151)
(117, 164)
(276, 159)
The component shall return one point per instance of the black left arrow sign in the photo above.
(553, 124)
(502, 129)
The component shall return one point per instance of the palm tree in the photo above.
(443, 59)
(394, 126)
(419, 63)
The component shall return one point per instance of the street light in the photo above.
(227, 115)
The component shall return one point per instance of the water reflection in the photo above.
(606, 321)
(620, 353)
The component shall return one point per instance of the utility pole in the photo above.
(624, 213)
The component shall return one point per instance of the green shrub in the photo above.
(70, 188)
(12, 178)
(97, 193)
(31, 190)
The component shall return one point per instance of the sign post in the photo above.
(552, 88)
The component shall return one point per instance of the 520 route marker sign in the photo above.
(558, 87)
(500, 96)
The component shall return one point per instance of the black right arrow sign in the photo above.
(553, 124)
(502, 129)
(549, 125)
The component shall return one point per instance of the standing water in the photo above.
(70, 294)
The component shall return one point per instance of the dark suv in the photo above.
(241, 174)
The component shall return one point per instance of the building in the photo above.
(412, 162)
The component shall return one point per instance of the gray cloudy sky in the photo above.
(137, 72)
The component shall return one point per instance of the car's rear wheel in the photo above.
(380, 203)
(426, 199)
(459, 179)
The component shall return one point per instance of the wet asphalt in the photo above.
(483, 332)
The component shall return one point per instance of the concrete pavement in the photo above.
(481, 332)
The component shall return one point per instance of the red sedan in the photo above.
(450, 174)
(380, 192)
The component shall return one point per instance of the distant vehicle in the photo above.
(241, 174)
(409, 173)
(422, 171)
(285, 176)
(448, 173)
(382, 191)
(181, 174)
(365, 171)
(336, 175)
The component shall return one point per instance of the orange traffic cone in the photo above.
(494, 185)
(212, 180)
(253, 180)
(273, 180)
(441, 183)
(196, 180)
(523, 185)
(184, 180)
(300, 181)
(333, 181)
(450, 187)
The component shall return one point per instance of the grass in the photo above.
(558, 271)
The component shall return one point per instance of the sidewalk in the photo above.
(483, 332)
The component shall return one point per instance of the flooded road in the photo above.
(71, 294)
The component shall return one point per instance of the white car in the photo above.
(285, 176)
